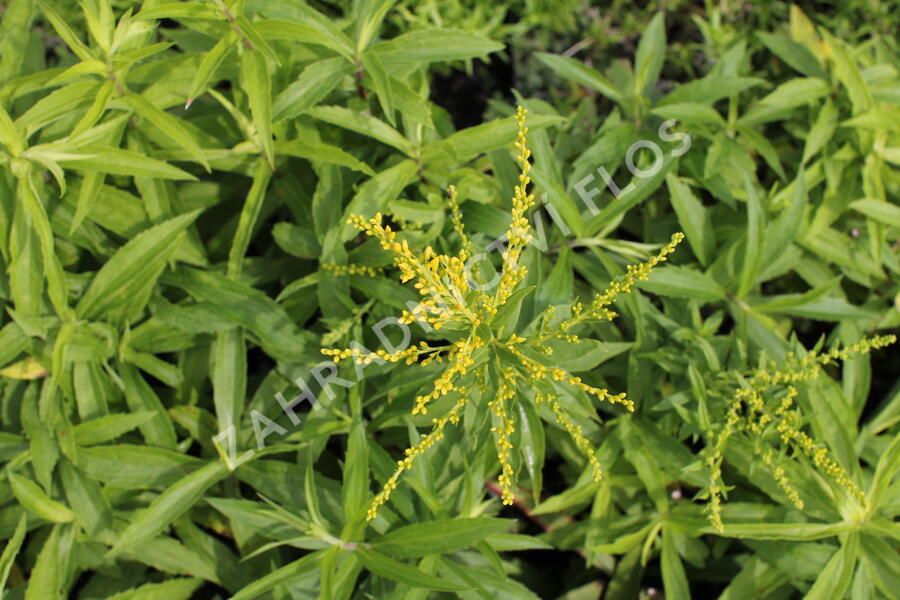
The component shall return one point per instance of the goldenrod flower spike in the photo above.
(456, 218)
(598, 310)
(448, 298)
(575, 432)
(502, 430)
(435, 435)
(750, 413)
(518, 234)
(337, 269)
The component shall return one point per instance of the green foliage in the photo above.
(178, 187)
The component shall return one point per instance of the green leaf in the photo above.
(397, 571)
(108, 427)
(249, 215)
(579, 72)
(313, 85)
(758, 142)
(180, 10)
(651, 51)
(557, 288)
(179, 588)
(90, 189)
(793, 53)
(319, 31)
(229, 377)
(324, 153)
(254, 40)
(470, 142)
(53, 271)
(799, 532)
(690, 113)
(836, 577)
(626, 542)
(9, 135)
(168, 506)
(438, 537)
(885, 471)
(208, 65)
(140, 397)
(135, 467)
(248, 308)
(533, 440)
(683, 282)
(381, 82)
(47, 578)
(694, 219)
(786, 96)
(72, 40)
(514, 542)
(849, 74)
(96, 110)
(168, 125)
(283, 575)
(753, 241)
(59, 103)
(822, 130)
(363, 124)
(710, 89)
(434, 45)
(674, 578)
(629, 198)
(123, 285)
(881, 211)
(258, 85)
(122, 162)
(576, 496)
(583, 355)
(881, 564)
(355, 491)
(33, 498)
(91, 507)
(7, 559)
(819, 308)
(559, 199)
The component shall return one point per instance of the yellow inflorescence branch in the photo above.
(502, 430)
(352, 269)
(598, 310)
(518, 233)
(430, 439)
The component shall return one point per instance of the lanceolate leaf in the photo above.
(168, 125)
(10, 550)
(258, 86)
(122, 287)
(435, 537)
(397, 571)
(33, 498)
(168, 506)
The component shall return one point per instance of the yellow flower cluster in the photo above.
(575, 432)
(518, 234)
(434, 436)
(598, 308)
(352, 269)
(456, 219)
(448, 298)
(751, 414)
(505, 427)
(460, 359)
(364, 357)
